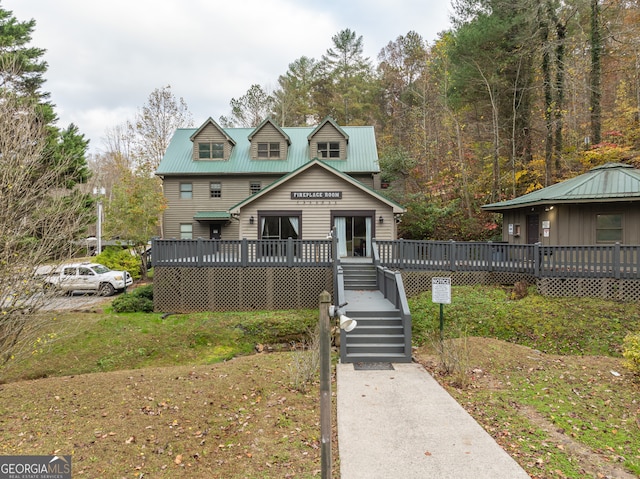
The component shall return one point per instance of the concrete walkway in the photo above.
(401, 423)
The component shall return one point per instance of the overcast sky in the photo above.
(106, 57)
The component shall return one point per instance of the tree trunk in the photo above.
(596, 74)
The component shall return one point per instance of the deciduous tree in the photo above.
(40, 221)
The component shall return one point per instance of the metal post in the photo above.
(99, 227)
(441, 321)
(325, 386)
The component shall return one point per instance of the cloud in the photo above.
(105, 58)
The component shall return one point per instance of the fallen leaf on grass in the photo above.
(178, 459)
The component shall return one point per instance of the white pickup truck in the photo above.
(88, 277)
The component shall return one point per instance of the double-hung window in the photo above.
(269, 150)
(254, 187)
(328, 149)
(609, 228)
(215, 189)
(210, 151)
(186, 191)
(186, 231)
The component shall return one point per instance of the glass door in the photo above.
(354, 235)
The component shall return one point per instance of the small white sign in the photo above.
(441, 290)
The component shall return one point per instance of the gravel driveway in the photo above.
(77, 301)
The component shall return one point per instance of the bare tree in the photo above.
(155, 124)
(39, 221)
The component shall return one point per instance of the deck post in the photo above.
(325, 386)
(244, 252)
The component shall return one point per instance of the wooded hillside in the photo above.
(518, 95)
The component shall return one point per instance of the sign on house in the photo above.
(316, 195)
(441, 290)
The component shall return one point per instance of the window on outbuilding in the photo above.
(609, 228)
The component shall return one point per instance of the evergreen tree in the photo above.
(346, 89)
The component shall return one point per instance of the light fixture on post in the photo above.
(345, 322)
(99, 192)
(251, 220)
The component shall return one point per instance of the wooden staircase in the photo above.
(359, 276)
(380, 335)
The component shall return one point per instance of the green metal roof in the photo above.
(606, 183)
(362, 154)
(211, 215)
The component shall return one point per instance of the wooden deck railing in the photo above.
(602, 261)
(243, 253)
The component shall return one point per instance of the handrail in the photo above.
(603, 261)
(392, 288)
(225, 253)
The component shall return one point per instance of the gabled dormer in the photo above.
(210, 142)
(269, 142)
(328, 141)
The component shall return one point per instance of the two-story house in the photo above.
(270, 182)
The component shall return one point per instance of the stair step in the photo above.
(377, 329)
(376, 358)
(368, 338)
(388, 313)
(375, 348)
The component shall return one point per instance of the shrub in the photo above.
(145, 291)
(140, 300)
(120, 259)
(631, 352)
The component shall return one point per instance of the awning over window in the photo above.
(212, 216)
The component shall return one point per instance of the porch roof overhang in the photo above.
(212, 216)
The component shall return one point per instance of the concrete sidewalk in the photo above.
(402, 424)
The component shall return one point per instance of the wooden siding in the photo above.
(573, 224)
(328, 133)
(234, 190)
(269, 134)
(316, 214)
(211, 134)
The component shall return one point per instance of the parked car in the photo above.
(88, 277)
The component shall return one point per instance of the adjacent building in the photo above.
(601, 206)
(270, 182)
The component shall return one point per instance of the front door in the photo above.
(354, 235)
(214, 231)
(533, 231)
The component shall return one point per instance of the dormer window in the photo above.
(210, 151)
(269, 150)
(328, 149)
